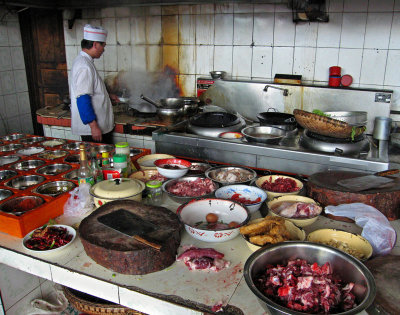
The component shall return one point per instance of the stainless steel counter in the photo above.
(288, 156)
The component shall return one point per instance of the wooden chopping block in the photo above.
(124, 254)
(386, 272)
(323, 187)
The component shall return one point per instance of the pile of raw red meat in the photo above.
(306, 288)
(280, 184)
(196, 188)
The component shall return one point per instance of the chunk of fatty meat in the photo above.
(297, 209)
(203, 259)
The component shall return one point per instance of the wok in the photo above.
(189, 104)
(277, 119)
(263, 134)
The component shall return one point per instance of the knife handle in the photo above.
(388, 172)
(148, 243)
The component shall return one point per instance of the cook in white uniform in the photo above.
(91, 110)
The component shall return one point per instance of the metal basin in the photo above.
(73, 146)
(19, 205)
(5, 193)
(24, 182)
(31, 140)
(55, 188)
(53, 143)
(30, 150)
(4, 160)
(27, 165)
(347, 268)
(72, 158)
(353, 118)
(51, 155)
(13, 137)
(263, 134)
(6, 174)
(10, 147)
(54, 169)
(72, 175)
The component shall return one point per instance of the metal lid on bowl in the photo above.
(117, 188)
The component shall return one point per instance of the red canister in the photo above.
(335, 71)
(334, 80)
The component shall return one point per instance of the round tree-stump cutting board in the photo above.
(323, 187)
(386, 272)
(122, 253)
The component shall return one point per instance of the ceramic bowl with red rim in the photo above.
(212, 219)
(231, 135)
(172, 168)
(252, 197)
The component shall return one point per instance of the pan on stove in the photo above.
(212, 124)
(276, 119)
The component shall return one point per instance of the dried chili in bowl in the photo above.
(48, 237)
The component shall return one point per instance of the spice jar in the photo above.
(154, 192)
(123, 148)
(120, 164)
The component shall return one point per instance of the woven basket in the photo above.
(92, 305)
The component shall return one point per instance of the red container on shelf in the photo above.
(335, 71)
(334, 80)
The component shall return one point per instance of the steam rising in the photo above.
(152, 85)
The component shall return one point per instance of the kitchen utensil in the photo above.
(212, 124)
(274, 118)
(369, 181)
(130, 224)
(382, 128)
(326, 126)
(218, 74)
(353, 118)
(149, 100)
(263, 134)
(346, 80)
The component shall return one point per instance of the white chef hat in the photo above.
(94, 33)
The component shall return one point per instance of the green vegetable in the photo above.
(354, 131)
(52, 244)
(320, 112)
(114, 275)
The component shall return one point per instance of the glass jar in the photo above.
(154, 192)
(120, 164)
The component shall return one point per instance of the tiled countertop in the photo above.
(174, 290)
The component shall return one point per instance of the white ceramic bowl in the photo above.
(273, 178)
(166, 167)
(146, 162)
(228, 211)
(302, 222)
(70, 230)
(243, 191)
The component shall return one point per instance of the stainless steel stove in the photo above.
(297, 153)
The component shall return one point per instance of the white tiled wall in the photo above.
(15, 111)
(251, 41)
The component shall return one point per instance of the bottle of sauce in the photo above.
(97, 171)
(85, 174)
(105, 160)
(154, 192)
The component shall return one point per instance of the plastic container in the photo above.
(334, 80)
(154, 192)
(335, 71)
(120, 164)
(123, 148)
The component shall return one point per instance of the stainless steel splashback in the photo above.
(248, 98)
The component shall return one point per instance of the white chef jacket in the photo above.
(84, 79)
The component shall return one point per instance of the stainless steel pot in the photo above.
(170, 115)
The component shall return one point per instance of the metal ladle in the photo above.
(150, 101)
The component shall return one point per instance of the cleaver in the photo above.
(130, 224)
(361, 183)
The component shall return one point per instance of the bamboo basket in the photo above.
(95, 306)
